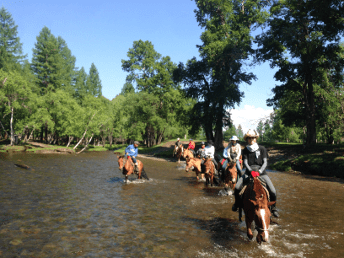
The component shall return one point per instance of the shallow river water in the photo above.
(79, 206)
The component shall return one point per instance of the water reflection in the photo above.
(68, 206)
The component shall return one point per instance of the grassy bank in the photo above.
(320, 159)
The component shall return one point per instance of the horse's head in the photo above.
(189, 164)
(120, 161)
(209, 166)
(231, 172)
(261, 212)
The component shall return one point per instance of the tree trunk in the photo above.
(6, 134)
(308, 92)
(32, 134)
(11, 126)
(86, 145)
(80, 140)
(70, 139)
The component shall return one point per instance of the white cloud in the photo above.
(249, 116)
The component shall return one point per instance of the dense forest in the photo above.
(49, 99)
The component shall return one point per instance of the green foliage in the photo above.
(301, 40)
(10, 46)
(93, 82)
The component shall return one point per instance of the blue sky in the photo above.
(101, 32)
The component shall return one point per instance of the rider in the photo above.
(210, 151)
(255, 160)
(232, 153)
(192, 146)
(132, 151)
(201, 152)
(178, 143)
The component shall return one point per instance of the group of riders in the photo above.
(254, 157)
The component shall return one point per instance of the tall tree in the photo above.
(79, 86)
(47, 63)
(303, 37)
(152, 75)
(226, 45)
(10, 47)
(93, 83)
(127, 88)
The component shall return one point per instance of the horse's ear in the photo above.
(271, 203)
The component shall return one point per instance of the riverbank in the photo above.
(321, 159)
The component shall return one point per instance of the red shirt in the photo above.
(191, 145)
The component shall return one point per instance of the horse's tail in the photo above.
(144, 175)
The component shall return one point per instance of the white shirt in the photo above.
(209, 151)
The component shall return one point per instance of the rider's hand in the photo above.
(254, 173)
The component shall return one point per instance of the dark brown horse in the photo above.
(178, 151)
(196, 164)
(256, 207)
(128, 167)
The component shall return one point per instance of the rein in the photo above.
(261, 229)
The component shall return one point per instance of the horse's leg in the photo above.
(248, 226)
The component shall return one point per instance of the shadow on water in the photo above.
(222, 231)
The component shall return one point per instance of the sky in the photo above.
(101, 32)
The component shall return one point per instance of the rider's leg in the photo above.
(224, 165)
(240, 173)
(135, 162)
(237, 190)
(273, 194)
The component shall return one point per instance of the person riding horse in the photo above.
(201, 152)
(192, 146)
(232, 154)
(255, 160)
(178, 143)
(132, 151)
(210, 152)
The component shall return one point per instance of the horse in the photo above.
(128, 168)
(209, 172)
(230, 175)
(196, 164)
(256, 207)
(188, 154)
(178, 151)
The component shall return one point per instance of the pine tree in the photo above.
(47, 62)
(10, 46)
(93, 83)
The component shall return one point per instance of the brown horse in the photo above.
(209, 171)
(178, 151)
(188, 154)
(256, 207)
(230, 175)
(128, 168)
(196, 164)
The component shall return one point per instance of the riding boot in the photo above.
(274, 211)
(237, 200)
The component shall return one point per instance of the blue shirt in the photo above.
(131, 150)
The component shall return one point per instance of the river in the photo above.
(79, 206)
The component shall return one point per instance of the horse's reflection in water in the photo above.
(256, 207)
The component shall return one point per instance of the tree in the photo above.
(47, 63)
(159, 96)
(226, 45)
(93, 82)
(79, 87)
(240, 132)
(260, 130)
(14, 95)
(127, 88)
(10, 46)
(303, 38)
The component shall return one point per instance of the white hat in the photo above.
(234, 138)
(178, 139)
(251, 133)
